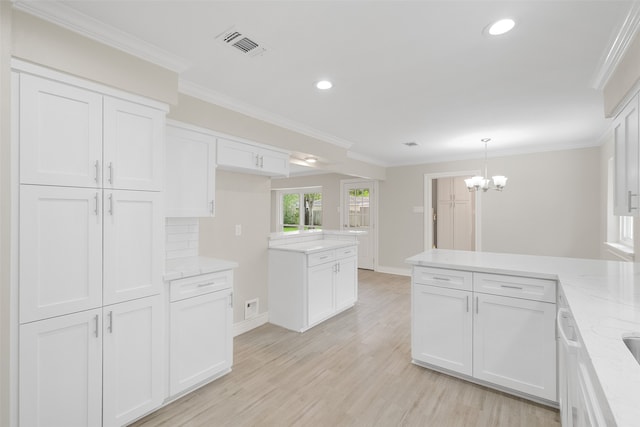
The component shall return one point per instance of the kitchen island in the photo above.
(603, 298)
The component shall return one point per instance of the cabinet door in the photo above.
(133, 146)
(273, 162)
(320, 292)
(442, 325)
(237, 155)
(60, 134)
(346, 283)
(60, 251)
(133, 245)
(190, 173)
(61, 371)
(514, 344)
(627, 161)
(134, 369)
(201, 339)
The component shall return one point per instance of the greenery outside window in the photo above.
(300, 209)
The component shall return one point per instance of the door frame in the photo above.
(428, 207)
(374, 212)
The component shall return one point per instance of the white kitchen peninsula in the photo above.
(603, 299)
(312, 277)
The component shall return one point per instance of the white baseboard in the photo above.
(394, 270)
(249, 324)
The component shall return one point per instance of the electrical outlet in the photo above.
(238, 230)
(251, 308)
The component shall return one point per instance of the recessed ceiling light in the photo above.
(324, 85)
(502, 26)
(310, 159)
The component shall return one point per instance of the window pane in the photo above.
(312, 211)
(358, 207)
(290, 212)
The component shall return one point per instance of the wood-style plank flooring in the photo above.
(353, 370)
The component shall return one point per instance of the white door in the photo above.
(358, 214)
(60, 250)
(133, 146)
(346, 282)
(134, 369)
(61, 371)
(514, 344)
(60, 134)
(320, 292)
(442, 330)
(133, 245)
(190, 173)
(201, 339)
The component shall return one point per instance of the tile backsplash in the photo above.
(182, 237)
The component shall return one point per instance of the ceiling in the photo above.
(403, 71)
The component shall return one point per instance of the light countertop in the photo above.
(178, 268)
(604, 299)
(313, 246)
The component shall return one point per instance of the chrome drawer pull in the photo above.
(511, 287)
(324, 257)
(202, 285)
(445, 279)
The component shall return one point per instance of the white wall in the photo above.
(551, 206)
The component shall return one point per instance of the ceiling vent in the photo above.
(239, 40)
(410, 144)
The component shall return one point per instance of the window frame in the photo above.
(300, 191)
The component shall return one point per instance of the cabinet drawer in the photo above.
(321, 257)
(515, 286)
(200, 285)
(454, 279)
(346, 252)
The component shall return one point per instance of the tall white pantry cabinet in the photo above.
(91, 218)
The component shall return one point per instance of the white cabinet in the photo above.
(514, 344)
(65, 131)
(60, 251)
(494, 329)
(133, 245)
(95, 367)
(190, 172)
(307, 289)
(201, 318)
(454, 215)
(443, 326)
(627, 160)
(252, 158)
(133, 353)
(61, 371)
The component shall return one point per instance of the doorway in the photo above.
(452, 214)
(359, 213)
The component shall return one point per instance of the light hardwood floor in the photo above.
(353, 370)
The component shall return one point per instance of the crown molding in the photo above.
(213, 97)
(69, 18)
(609, 62)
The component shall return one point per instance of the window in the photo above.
(300, 209)
(619, 228)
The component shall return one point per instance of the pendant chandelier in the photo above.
(476, 183)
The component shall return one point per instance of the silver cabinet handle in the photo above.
(444, 279)
(110, 172)
(213, 207)
(511, 287)
(97, 165)
(111, 204)
(202, 285)
(97, 210)
(467, 303)
(338, 267)
(97, 321)
(111, 321)
(231, 300)
(477, 304)
(262, 161)
(629, 196)
(257, 161)
(324, 257)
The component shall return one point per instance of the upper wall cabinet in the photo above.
(76, 137)
(190, 171)
(252, 158)
(627, 160)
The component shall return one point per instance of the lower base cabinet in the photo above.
(101, 367)
(494, 329)
(201, 330)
